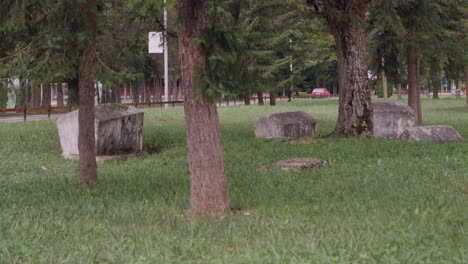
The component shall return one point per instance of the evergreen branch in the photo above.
(105, 65)
(172, 34)
(17, 53)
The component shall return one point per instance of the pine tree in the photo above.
(209, 190)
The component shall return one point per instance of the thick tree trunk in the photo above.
(208, 183)
(86, 140)
(355, 116)
(247, 99)
(59, 94)
(46, 95)
(272, 98)
(413, 82)
(260, 98)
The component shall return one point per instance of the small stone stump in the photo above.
(392, 118)
(300, 164)
(438, 134)
(118, 130)
(289, 124)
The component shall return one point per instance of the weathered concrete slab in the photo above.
(289, 124)
(392, 118)
(439, 134)
(118, 130)
(300, 164)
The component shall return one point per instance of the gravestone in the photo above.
(439, 134)
(392, 118)
(118, 130)
(289, 124)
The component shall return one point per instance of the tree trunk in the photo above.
(208, 183)
(272, 98)
(135, 92)
(247, 99)
(59, 94)
(118, 98)
(86, 140)
(260, 98)
(466, 88)
(435, 92)
(355, 116)
(399, 90)
(413, 82)
(73, 97)
(384, 80)
(35, 99)
(46, 95)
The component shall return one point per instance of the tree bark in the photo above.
(247, 99)
(59, 94)
(86, 139)
(355, 116)
(260, 98)
(208, 183)
(399, 90)
(135, 92)
(46, 95)
(435, 92)
(272, 98)
(413, 82)
(384, 80)
(466, 88)
(35, 95)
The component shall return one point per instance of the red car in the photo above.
(321, 93)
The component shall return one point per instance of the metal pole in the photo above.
(166, 58)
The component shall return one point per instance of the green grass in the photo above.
(380, 202)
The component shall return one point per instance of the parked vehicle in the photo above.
(321, 93)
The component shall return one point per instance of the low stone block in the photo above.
(300, 164)
(392, 118)
(439, 134)
(118, 130)
(289, 124)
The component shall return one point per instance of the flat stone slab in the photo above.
(300, 164)
(123, 156)
(300, 140)
(392, 118)
(438, 134)
(118, 129)
(288, 124)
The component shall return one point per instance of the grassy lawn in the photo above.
(380, 202)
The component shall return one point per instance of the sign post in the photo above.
(158, 44)
(166, 58)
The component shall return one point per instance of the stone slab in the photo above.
(438, 134)
(392, 118)
(288, 124)
(118, 129)
(300, 164)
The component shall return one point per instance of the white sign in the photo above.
(155, 42)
